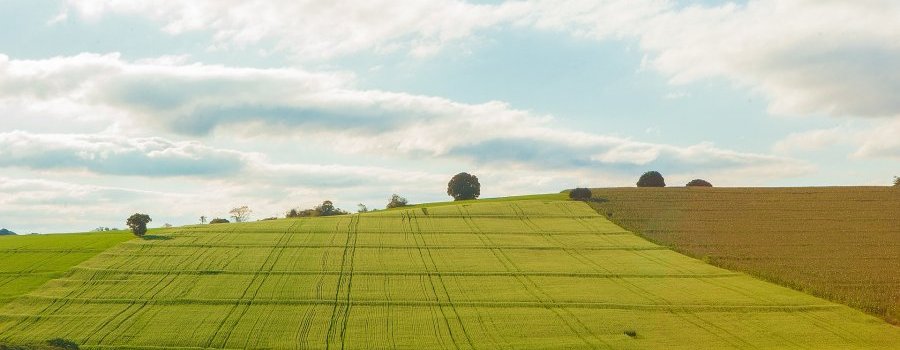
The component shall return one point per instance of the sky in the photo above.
(182, 109)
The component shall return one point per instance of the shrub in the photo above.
(138, 224)
(219, 221)
(327, 208)
(580, 194)
(63, 344)
(651, 179)
(631, 333)
(464, 186)
(396, 202)
(699, 183)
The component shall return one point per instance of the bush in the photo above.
(580, 194)
(219, 221)
(464, 186)
(651, 179)
(53, 344)
(396, 202)
(63, 344)
(327, 208)
(699, 183)
(138, 224)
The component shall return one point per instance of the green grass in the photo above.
(27, 262)
(538, 273)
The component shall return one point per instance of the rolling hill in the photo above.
(532, 272)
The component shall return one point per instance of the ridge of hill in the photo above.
(839, 243)
(495, 274)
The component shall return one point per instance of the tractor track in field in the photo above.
(413, 221)
(346, 274)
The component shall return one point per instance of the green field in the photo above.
(27, 262)
(527, 273)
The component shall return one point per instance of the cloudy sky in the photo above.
(188, 108)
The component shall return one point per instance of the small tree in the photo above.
(699, 183)
(464, 186)
(651, 179)
(138, 224)
(203, 219)
(219, 221)
(240, 214)
(293, 213)
(362, 208)
(397, 201)
(580, 194)
(896, 181)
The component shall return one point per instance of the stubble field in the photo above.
(840, 243)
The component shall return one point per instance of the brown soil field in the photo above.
(839, 243)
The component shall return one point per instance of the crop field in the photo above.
(491, 275)
(840, 243)
(27, 262)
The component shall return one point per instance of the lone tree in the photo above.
(240, 214)
(397, 201)
(362, 208)
(896, 181)
(464, 186)
(699, 183)
(651, 179)
(580, 194)
(138, 224)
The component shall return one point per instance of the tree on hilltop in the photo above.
(397, 201)
(651, 179)
(138, 223)
(464, 186)
(699, 183)
(580, 194)
(240, 214)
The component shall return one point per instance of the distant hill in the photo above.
(5, 232)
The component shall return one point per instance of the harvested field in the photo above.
(840, 243)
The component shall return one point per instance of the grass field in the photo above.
(841, 243)
(27, 262)
(491, 275)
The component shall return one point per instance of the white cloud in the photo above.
(197, 99)
(876, 140)
(315, 29)
(838, 58)
(116, 155)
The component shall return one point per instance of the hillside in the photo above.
(493, 274)
(27, 262)
(841, 243)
